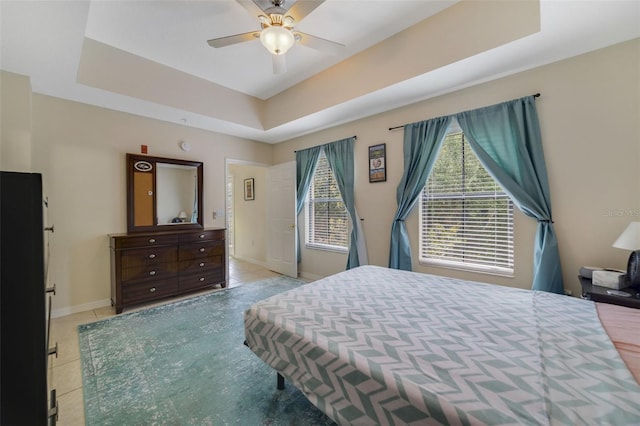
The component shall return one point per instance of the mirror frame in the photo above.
(132, 159)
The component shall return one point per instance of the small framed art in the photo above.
(377, 163)
(249, 190)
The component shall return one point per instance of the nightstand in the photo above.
(600, 294)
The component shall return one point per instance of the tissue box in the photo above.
(609, 279)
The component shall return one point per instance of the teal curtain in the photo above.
(506, 138)
(422, 142)
(340, 158)
(306, 161)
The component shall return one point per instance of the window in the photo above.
(327, 222)
(466, 218)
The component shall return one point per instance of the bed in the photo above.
(374, 345)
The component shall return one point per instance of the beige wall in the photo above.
(589, 113)
(15, 122)
(590, 123)
(80, 150)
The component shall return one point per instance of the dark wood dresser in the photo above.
(155, 265)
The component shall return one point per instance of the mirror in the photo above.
(163, 193)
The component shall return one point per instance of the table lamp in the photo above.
(630, 240)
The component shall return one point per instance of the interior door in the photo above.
(282, 220)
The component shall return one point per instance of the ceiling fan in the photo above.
(277, 33)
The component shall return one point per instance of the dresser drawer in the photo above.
(205, 279)
(148, 257)
(150, 272)
(140, 292)
(202, 264)
(212, 234)
(200, 250)
(145, 241)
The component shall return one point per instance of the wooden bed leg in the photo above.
(280, 382)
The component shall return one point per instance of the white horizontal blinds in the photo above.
(466, 217)
(327, 219)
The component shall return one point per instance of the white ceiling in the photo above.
(44, 40)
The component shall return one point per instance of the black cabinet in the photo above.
(23, 322)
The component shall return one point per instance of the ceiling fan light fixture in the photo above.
(277, 39)
(264, 20)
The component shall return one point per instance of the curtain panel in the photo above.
(340, 158)
(421, 144)
(306, 161)
(506, 138)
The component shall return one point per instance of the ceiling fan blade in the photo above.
(252, 7)
(302, 8)
(318, 43)
(234, 39)
(279, 64)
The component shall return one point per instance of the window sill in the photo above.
(458, 266)
(323, 247)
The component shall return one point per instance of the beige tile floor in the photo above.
(65, 373)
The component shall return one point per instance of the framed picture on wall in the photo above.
(249, 190)
(377, 163)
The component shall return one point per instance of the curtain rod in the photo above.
(354, 137)
(537, 95)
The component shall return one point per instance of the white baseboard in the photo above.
(304, 275)
(254, 261)
(309, 277)
(56, 313)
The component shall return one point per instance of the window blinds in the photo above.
(466, 217)
(327, 220)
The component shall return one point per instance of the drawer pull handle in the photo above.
(201, 279)
(152, 256)
(201, 249)
(152, 290)
(152, 273)
(201, 264)
(152, 240)
(201, 235)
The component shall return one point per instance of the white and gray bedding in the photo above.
(380, 346)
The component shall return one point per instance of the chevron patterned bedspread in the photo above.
(380, 346)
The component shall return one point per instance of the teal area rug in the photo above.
(185, 364)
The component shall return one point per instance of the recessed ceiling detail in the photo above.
(151, 58)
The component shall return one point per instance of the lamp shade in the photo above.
(630, 237)
(277, 39)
